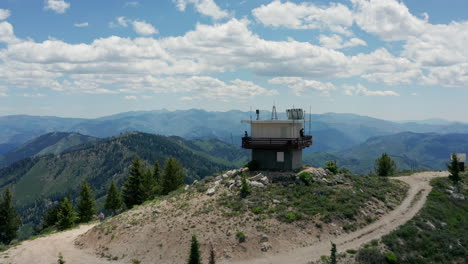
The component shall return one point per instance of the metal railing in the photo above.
(277, 143)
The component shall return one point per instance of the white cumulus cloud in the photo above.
(337, 42)
(205, 7)
(84, 24)
(335, 17)
(302, 86)
(140, 27)
(4, 14)
(58, 6)
(361, 90)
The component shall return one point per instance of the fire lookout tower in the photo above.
(277, 144)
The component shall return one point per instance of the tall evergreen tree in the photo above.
(454, 170)
(133, 191)
(50, 217)
(148, 184)
(86, 205)
(113, 199)
(385, 166)
(173, 176)
(66, 215)
(157, 187)
(194, 257)
(212, 259)
(333, 254)
(9, 219)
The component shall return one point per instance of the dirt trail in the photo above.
(417, 195)
(46, 250)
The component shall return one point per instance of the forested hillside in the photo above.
(38, 181)
(416, 151)
(50, 143)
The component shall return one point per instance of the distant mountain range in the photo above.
(331, 131)
(37, 181)
(50, 143)
(415, 151)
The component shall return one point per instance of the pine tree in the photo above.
(60, 259)
(212, 259)
(173, 176)
(157, 188)
(50, 217)
(385, 166)
(454, 170)
(133, 191)
(113, 199)
(66, 215)
(148, 184)
(9, 219)
(194, 257)
(245, 189)
(86, 205)
(333, 254)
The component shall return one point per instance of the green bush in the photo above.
(241, 237)
(391, 258)
(306, 177)
(351, 251)
(370, 256)
(290, 217)
(253, 165)
(331, 166)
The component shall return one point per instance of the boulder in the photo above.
(264, 238)
(257, 177)
(255, 184)
(457, 196)
(211, 191)
(265, 247)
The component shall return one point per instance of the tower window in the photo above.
(280, 156)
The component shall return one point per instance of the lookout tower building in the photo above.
(277, 144)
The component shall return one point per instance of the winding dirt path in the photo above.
(47, 249)
(414, 201)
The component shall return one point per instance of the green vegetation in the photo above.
(9, 219)
(173, 176)
(113, 200)
(60, 259)
(195, 256)
(212, 259)
(133, 189)
(41, 182)
(454, 170)
(332, 166)
(333, 253)
(317, 200)
(86, 205)
(385, 166)
(305, 177)
(245, 189)
(241, 237)
(437, 234)
(66, 215)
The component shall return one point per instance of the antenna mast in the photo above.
(310, 118)
(274, 115)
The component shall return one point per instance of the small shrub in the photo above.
(391, 258)
(370, 256)
(241, 237)
(253, 165)
(351, 251)
(290, 217)
(135, 261)
(331, 166)
(306, 177)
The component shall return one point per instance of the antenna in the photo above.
(310, 118)
(274, 115)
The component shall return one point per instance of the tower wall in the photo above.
(268, 159)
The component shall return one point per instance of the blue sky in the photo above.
(397, 60)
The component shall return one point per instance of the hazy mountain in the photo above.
(331, 131)
(51, 143)
(409, 150)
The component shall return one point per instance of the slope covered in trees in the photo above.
(40, 182)
(50, 143)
